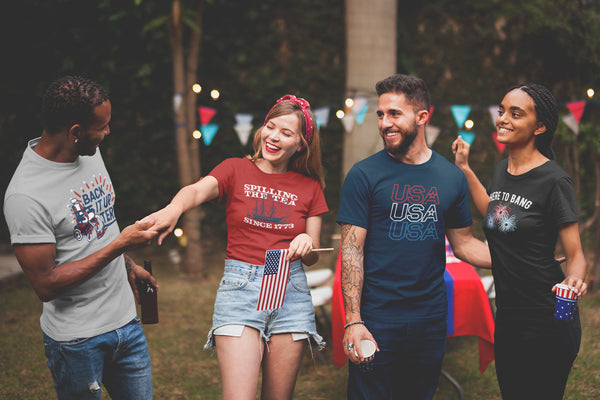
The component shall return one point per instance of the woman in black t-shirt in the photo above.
(529, 204)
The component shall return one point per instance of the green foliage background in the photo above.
(469, 52)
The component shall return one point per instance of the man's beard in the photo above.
(400, 149)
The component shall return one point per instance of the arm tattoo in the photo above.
(352, 271)
(128, 263)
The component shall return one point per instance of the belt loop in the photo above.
(252, 272)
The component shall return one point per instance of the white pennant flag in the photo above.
(431, 134)
(322, 116)
(243, 119)
(359, 103)
(571, 122)
(243, 132)
(348, 122)
(493, 114)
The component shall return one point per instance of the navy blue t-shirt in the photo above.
(406, 209)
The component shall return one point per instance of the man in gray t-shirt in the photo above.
(59, 207)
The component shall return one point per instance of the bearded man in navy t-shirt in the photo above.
(396, 208)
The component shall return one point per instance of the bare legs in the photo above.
(240, 361)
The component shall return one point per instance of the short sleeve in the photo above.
(27, 220)
(318, 204)
(223, 173)
(563, 203)
(355, 199)
(459, 215)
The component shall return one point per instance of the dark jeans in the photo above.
(534, 354)
(408, 365)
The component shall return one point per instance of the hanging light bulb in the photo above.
(349, 102)
(340, 114)
(196, 88)
(590, 93)
(215, 94)
(469, 124)
(197, 134)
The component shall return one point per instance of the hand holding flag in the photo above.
(274, 281)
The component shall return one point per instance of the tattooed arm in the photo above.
(353, 240)
(352, 276)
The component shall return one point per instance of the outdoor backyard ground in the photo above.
(183, 370)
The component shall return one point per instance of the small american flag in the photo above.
(274, 281)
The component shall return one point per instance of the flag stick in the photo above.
(323, 249)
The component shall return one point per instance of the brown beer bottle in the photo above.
(148, 298)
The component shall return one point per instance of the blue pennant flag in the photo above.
(208, 133)
(360, 117)
(467, 136)
(460, 112)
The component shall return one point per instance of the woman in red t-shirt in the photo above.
(274, 200)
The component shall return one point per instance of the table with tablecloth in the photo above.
(469, 312)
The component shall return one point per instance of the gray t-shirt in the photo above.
(72, 206)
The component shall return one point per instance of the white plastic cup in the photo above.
(368, 350)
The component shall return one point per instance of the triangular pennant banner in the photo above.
(243, 132)
(460, 113)
(359, 103)
(206, 114)
(431, 134)
(431, 108)
(570, 121)
(467, 136)
(243, 119)
(577, 108)
(493, 113)
(322, 116)
(360, 117)
(208, 133)
(177, 100)
(348, 122)
(499, 145)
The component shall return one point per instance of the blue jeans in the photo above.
(408, 365)
(118, 359)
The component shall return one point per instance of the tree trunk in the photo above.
(184, 109)
(371, 56)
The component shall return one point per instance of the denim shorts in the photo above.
(118, 359)
(237, 299)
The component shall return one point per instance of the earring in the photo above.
(76, 140)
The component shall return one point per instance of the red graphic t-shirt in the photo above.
(264, 211)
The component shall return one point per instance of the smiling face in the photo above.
(280, 140)
(397, 124)
(517, 122)
(89, 137)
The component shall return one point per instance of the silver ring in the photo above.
(350, 346)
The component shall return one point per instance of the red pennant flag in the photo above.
(206, 114)
(499, 145)
(430, 114)
(577, 108)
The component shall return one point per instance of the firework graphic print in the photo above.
(502, 218)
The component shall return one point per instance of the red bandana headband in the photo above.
(305, 107)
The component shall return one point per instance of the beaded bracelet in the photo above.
(354, 323)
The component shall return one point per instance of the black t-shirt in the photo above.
(521, 224)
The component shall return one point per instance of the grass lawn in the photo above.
(183, 370)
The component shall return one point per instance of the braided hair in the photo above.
(547, 113)
(69, 100)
